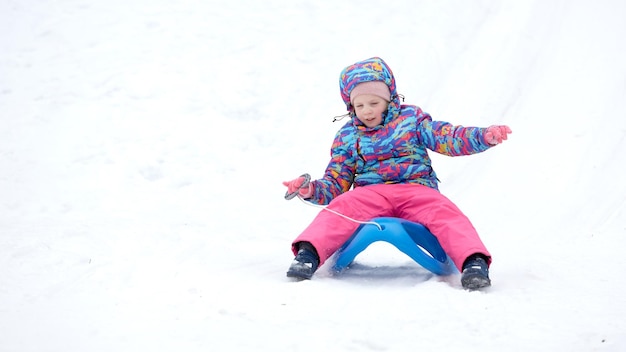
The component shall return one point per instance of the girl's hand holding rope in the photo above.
(299, 186)
(302, 187)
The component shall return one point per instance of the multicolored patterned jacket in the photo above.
(394, 151)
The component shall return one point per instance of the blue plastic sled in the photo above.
(414, 239)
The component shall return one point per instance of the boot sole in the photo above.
(299, 275)
(300, 271)
(475, 282)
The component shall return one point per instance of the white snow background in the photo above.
(143, 145)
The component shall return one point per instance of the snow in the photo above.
(143, 145)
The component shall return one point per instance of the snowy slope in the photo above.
(143, 145)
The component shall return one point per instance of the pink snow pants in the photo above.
(413, 202)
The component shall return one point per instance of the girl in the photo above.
(382, 153)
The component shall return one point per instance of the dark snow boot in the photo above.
(305, 263)
(475, 273)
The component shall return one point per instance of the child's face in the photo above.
(369, 109)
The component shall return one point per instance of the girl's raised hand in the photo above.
(496, 134)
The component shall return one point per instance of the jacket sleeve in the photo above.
(339, 174)
(447, 139)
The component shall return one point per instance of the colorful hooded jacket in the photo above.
(394, 151)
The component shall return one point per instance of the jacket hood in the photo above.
(372, 69)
